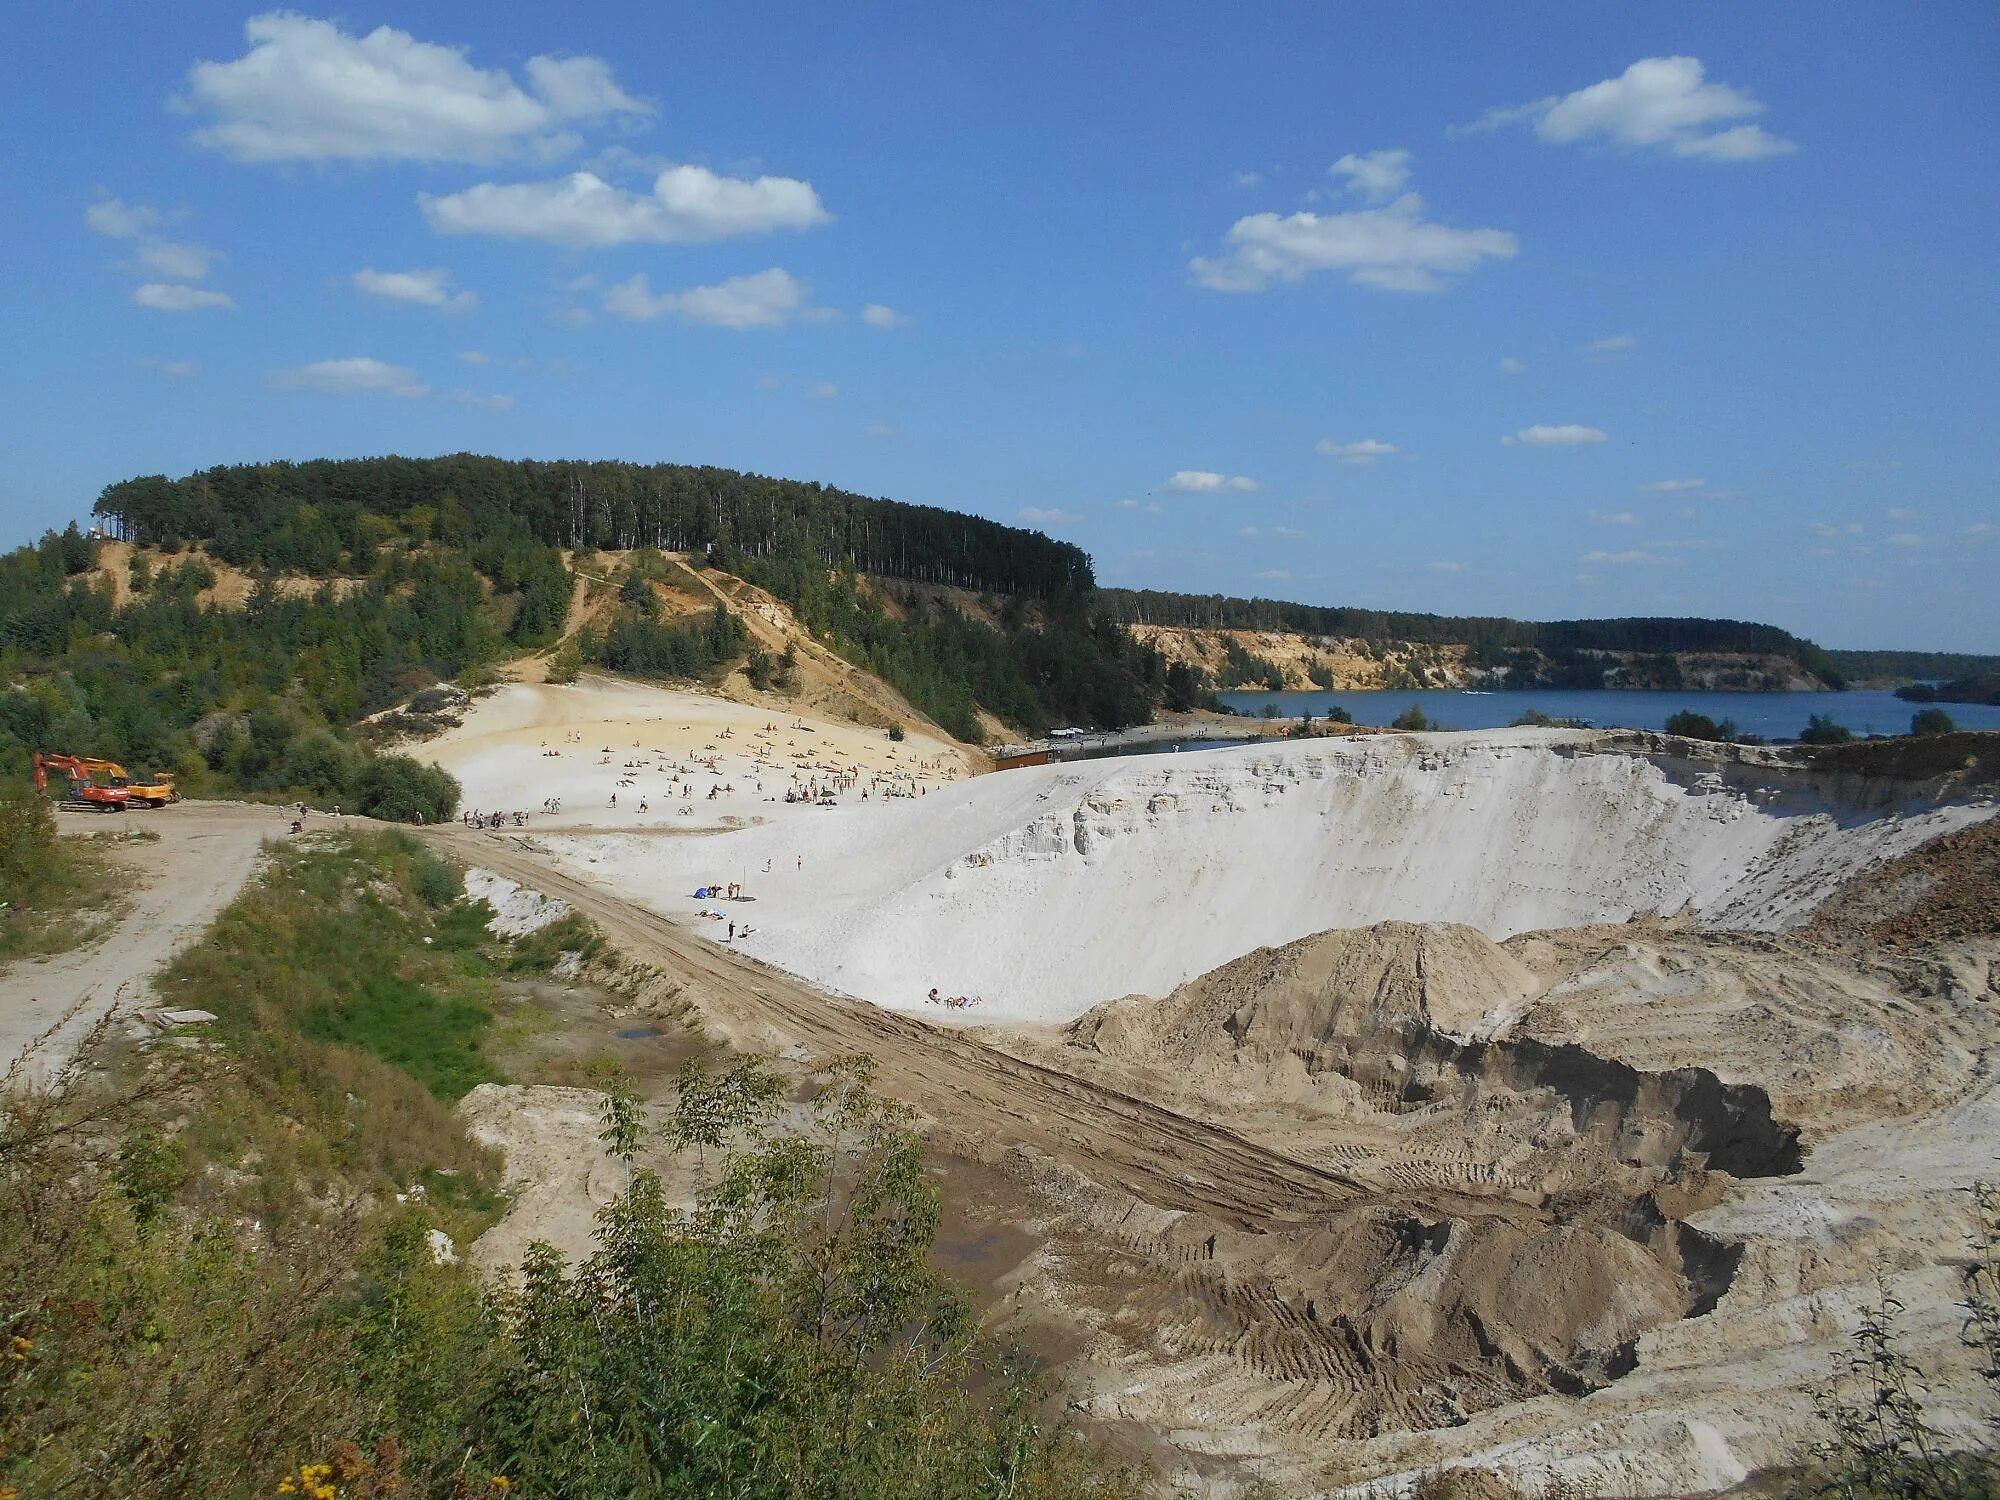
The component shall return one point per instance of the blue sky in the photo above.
(1542, 311)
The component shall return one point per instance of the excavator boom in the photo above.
(83, 788)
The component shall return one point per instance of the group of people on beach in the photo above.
(477, 819)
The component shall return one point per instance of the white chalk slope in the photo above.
(1045, 891)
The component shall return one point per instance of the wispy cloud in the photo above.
(1361, 453)
(1035, 515)
(1631, 556)
(163, 296)
(1208, 482)
(356, 376)
(1567, 435)
(769, 299)
(427, 288)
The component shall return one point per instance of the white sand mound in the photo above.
(517, 910)
(1042, 892)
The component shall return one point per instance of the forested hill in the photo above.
(356, 585)
(304, 517)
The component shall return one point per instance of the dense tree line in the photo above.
(306, 517)
(1920, 666)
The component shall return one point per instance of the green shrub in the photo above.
(321, 764)
(1691, 725)
(30, 856)
(565, 664)
(438, 882)
(398, 789)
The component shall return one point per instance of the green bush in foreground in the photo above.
(209, 1286)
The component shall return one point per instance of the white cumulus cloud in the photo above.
(1622, 343)
(1362, 453)
(1393, 248)
(308, 91)
(687, 206)
(352, 377)
(768, 299)
(875, 315)
(431, 288)
(1663, 102)
(826, 390)
(1208, 482)
(1035, 515)
(1377, 175)
(1146, 507)
(1566, 435)
(164, 296)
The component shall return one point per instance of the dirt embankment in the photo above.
(1944, 892)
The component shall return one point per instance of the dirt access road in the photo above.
(205, 853)
(969, 1086)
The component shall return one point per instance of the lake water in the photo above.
(1776, 716)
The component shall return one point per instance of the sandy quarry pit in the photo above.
(1372, 1106)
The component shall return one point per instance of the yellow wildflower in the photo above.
(499, 1482)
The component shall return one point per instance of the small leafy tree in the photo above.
(1413, 718)
(1931, 721)
(1821, 730)
(565, 664)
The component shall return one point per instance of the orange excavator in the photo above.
(153, 790)
(84, 791)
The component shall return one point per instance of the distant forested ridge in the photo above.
(1913, 666)
(1561, 648)
(302, 516)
